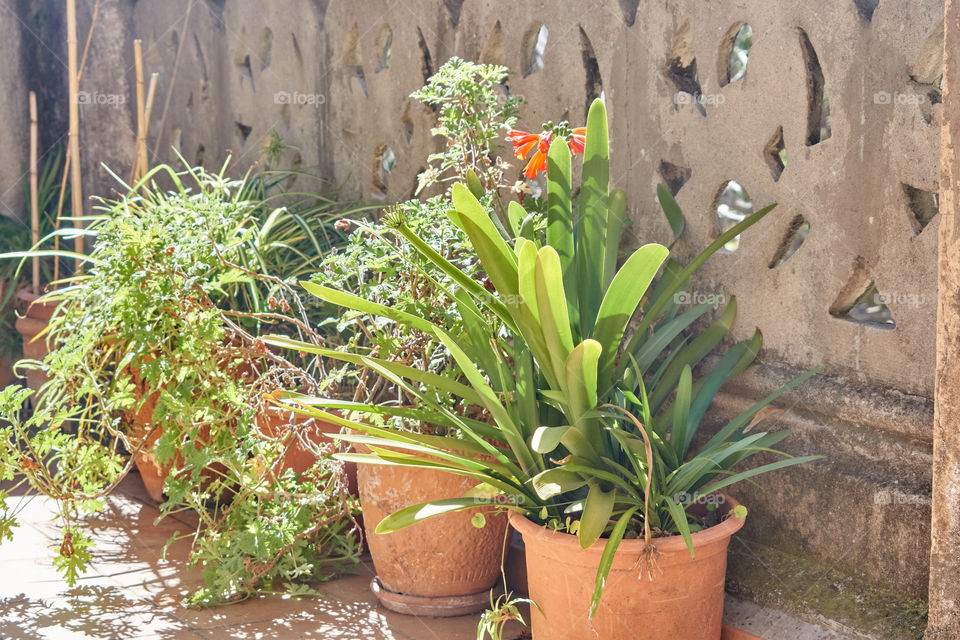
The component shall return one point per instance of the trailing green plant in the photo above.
(583, 437)
(150, 357)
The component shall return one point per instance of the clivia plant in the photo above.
(597, 440)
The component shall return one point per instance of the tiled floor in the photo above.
(132, 594)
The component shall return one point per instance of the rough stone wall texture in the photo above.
(333, 78)
(15, 150)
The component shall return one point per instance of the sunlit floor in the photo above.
(131, 594)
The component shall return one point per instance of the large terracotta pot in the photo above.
(29, 326)
(443, 566)
(276, 422)
(684, 600)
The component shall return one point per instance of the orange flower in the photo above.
(524, 142)
(577, 140)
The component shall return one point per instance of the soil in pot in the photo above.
(442, 566)
(684, 598)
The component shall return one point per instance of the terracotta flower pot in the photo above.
(683, 600)
(443, 566)
(276, 423)
(30, 326)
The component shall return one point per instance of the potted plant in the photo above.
(154, 368)
(602, 465)
(447, 566)
(24, 332)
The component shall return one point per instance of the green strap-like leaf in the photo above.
(666, 296)
(606, 558)
(560, 219)
(681, 413)
(672, 212)
(420, 512)
(592, 220)
(692, 354)
(552, 305)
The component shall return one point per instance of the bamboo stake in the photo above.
(151, 90)
(34, 205)
(66, 162)
(76, 188)
(140, 162)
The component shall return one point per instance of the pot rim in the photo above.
(666, 544)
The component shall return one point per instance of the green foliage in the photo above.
(500, 613)
(574, 409)
(379, 266)
(150, 354)
(472, 107)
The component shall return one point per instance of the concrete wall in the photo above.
(316, 72)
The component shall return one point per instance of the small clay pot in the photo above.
(439, 567)
(684, 599)
(30, 326)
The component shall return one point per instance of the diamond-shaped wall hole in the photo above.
(818, 104)
(796, 233)
(732, 205)
(924, 205)
(674, 176)
(775, 154)
(384, 43)
(860, 302)
(735, 52)
(591, 69)
(681, 69)
(534, 44)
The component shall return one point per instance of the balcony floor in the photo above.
(130, 593)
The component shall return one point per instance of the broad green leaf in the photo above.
(546, 439)
(592, 220)
(597, 510)
(553, 482)
(516, 214)
(581, 378)
(621, 300)
(616, 221)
